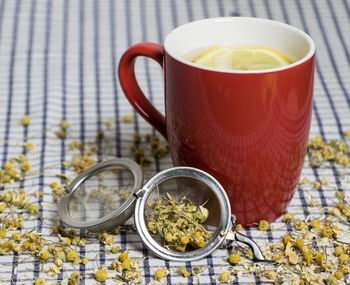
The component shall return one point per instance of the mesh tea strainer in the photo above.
(108, 193)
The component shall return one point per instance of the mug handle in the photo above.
(132, 91)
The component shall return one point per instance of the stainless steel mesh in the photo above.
(100, 194)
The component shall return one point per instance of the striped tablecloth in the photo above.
(58, 61)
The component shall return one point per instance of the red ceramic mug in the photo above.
(249, 129)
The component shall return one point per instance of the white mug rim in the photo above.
(310, 53)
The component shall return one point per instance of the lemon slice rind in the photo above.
(242, 58)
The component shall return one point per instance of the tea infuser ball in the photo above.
(108, 193)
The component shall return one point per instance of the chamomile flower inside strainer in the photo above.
(177, 214)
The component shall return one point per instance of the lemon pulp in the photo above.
(242, 58)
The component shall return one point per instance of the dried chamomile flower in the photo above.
(181, 270)
(71, 255)
(53, 270)
(29, 146)
(308, 256)
(238, 227)
(129, 277)
(225, 277)
(65, 241)
(114, 264)
(129, 269)
(9, 175)
(340, 195)
(25, 166)
(26, 245)
(8, 165)
(33, 209)
(287, 218)
(338, 250)
(331, 280)
(58, 262)
(17, 248)
(80, 163)
(115, 249)
(64, 124)
(299, 224)
(343, 258)
(324, 182)
(299, 243)
(105, 238)
(7, 246)
(234, 258)
(326, 232)
(16, 236)
(108, 123)
(38, 194)
(78, 241)
(75, 276)
(345, 269)
(74, 145)
(44, 255)
(2, 207)
(3, 233)
(316, 185)
(123, 256)
(101, 275)
(321, 151)
(128, 118)
(269, 274)
(58, 189)
(315, 224)
(25, 121)
(100, 135)
(116, 229)
(127, 263)
(202, 214)
(338, 275)
(160, 274)
(319, 258)
(303, 181)
(137, 138)
(39, 281)
(178, 223)
(61, 134)
(263, 225)
(139, 156)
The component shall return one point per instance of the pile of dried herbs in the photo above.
(321, 151)
(178, 223)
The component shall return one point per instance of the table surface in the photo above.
(58, 61)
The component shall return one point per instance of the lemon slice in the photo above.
(242, 58)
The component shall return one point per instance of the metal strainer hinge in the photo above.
(233, 235)
(139, 193)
